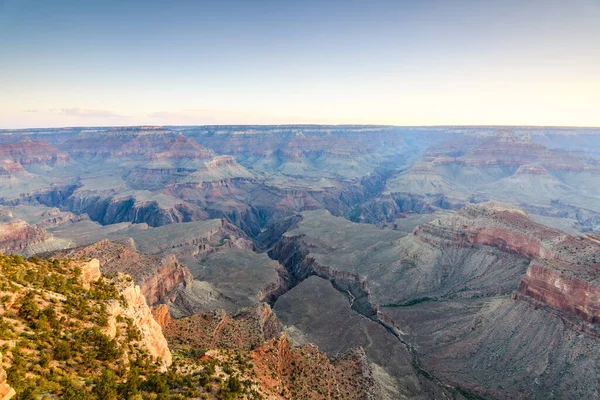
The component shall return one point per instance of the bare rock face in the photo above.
(30, 152)
(161, 315)
(182, 147)
(155, 275)
(118, 143)
(165, 278)
(90, 272)
(492, 224)
(15, 236)
(504, 148)
(564, 272)
(137, 309)
(562, 291)
(6, 392)
(8, 168)
(269, 324)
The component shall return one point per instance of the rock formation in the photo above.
(90, 272)
(16, 236)
(28, 152)
(305, 373)
(161, 315)
(6, 392)
(156, 275)
(564, 272)
(137, 309)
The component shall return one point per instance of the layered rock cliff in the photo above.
(91, 323)
(28, 152)
(564, 271)
(156, 275)
(16, 236)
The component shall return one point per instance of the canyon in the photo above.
(442, 262)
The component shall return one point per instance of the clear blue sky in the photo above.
(421, 62)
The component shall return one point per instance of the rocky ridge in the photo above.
(564, 270)
(155, 275)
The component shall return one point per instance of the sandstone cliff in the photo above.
(137, 310)
(161, 315)
(29, 152)
(134, 308)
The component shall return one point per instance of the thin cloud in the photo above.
(31, 110)
(89, 113)
(216, 117)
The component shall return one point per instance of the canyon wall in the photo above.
(134, 307)
(564, 271)
(156, 275)
(137, 309)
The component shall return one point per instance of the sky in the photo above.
(396, 62)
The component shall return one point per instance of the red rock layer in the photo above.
(182, 147)
(503, 149)
(161, 315)
(16, 236)
(564, 272)
(29, 152)
(562, 291)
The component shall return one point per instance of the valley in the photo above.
(442, 262)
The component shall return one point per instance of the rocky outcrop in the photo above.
(165, 278)
(279, 368)
(135, 142)
(16, 236)
(564, 272)
(29, 152)
(108, 207)
(161, 315)
(503, 226)
(505, 148)
(9, 168)
(156, 275)
(90, 272)
(182, 147)
(6, 392)
(562, 291)
(244, 330)
(269, 324)
(137, 310)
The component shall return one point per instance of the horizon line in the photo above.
(300, 125)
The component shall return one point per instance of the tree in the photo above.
(70, 390)
(131, 387)
(62, 351)
(106, 385)
(29, 308)
(157, 383)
